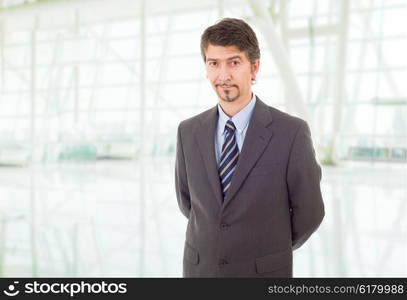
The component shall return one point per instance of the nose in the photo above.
(224, 74)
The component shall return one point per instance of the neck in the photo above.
(232, 108)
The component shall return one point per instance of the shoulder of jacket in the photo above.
(286, 119)
(194, 120)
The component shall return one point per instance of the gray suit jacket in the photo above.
(272, 207)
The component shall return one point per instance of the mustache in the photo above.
(226, 84)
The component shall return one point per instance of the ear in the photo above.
(255, 68)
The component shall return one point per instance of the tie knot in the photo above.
(230, 126)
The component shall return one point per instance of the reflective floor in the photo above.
(121, 219)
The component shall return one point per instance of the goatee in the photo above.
(226, 96)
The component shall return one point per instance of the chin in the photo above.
(230, 99)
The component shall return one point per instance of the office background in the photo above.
(92, 91)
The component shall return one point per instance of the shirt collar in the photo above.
(241, 119)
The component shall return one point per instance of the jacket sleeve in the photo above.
(303, 180)
(181, 181)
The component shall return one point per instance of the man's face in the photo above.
(230, 72)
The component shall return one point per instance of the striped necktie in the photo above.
(228, 157)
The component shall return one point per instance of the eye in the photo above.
(212, 63)
(235, 62)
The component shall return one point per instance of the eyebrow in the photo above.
(229, 58)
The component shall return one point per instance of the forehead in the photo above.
(223, 52)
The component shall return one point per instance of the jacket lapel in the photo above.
(257, 137)
(205, 137)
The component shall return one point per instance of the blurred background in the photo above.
(92, 91)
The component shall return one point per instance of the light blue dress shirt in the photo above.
(241, 121)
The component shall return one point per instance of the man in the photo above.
(246, 175)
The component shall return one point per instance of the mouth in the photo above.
(225, 86)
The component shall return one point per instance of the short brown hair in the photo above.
(231, 32)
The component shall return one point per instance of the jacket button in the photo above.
(224, 226)
(222, 262)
